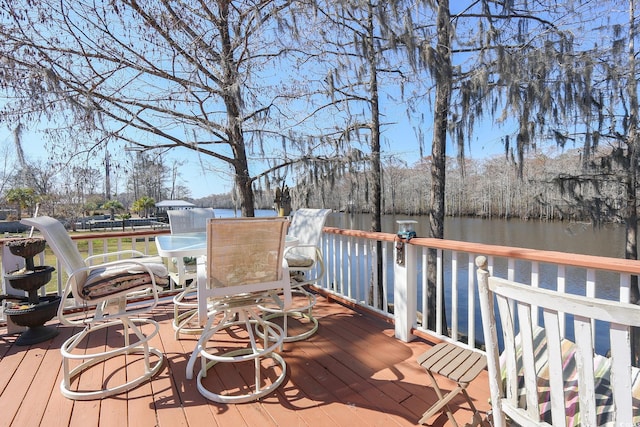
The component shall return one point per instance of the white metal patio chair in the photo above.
(306, 266)
(102, 290)
(187, 221)
(244, 265)
(185, 303)
(543, 378)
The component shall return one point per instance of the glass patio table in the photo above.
(192, 244)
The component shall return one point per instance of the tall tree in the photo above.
(73, 192)
(192, 75)
(22, 198)
(586, 93)
(443, 76)
(442, 72)
(481, 56)
(606, 96)
(361, 59)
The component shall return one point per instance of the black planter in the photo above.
(32, 312)
(30, 280)
(33, 317)
(27, 247)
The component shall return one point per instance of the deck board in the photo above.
(351, 373)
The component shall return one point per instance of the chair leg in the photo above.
(255, 352)
(184, 313)
(207, 333)
(303, 312)
(443, 402)
(87, 360)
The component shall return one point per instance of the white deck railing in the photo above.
(352, 269)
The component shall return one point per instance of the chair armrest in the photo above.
(129, 252)
(288, 248)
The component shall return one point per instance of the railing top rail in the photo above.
(552, 257)
(388, 237)
(107, 234)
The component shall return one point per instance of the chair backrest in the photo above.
(189, 220)
(306, 226)
(244, 256)
(59, 241)
(543, 378)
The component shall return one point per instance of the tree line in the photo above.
(490, 188)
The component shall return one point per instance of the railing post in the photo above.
(405, 286)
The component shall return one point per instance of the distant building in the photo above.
(165, 205)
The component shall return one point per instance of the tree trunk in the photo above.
(631, 217)
(244, 185)
(232, 99)
(443, 79)
(376, 173)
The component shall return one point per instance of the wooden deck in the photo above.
(351, 373)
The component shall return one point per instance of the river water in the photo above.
(583, 238)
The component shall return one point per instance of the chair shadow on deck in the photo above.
(353, 365)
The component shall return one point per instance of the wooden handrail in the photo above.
(554, 257)
(106, 234)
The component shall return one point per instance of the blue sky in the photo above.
(204, 176)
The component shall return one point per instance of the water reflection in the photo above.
(581, 238)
